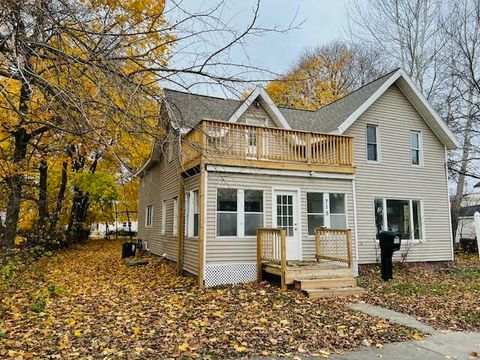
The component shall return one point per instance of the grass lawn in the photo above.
(445, 296)
(84, 302)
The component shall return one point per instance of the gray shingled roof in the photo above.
(188, 109)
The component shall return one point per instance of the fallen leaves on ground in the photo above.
(91, 305)
(445, 296)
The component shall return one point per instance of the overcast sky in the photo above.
(319, 21)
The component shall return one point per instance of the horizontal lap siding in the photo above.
(190, 245)
(396, 177)
(160, 183)
(243, 250)
(256, 112)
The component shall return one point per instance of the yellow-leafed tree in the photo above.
(325, 74)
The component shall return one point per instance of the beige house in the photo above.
(373, 160)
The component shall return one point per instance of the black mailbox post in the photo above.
(390, 241)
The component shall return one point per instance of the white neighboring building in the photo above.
(99, 229)
(470, 205)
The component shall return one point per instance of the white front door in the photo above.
(286, 215)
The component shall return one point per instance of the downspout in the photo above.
(354, 194)
(449, 204)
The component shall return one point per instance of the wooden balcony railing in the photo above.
(221, 142)
(272, 247)
(334, 245)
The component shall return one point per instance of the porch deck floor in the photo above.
(305, 265)
(307, 269)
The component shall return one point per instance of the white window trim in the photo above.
(326, 208)
(175, 216)
(377, 138)
(146, 216)
(410, 204)
(240, 214)
(420, 148)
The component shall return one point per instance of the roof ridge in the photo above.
(206, 96)
(361, 87)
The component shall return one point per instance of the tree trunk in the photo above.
(60, 197)
(42, 202)
(15, 184)
(457, 200)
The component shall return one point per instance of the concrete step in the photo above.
(324, 293)
(332, 283)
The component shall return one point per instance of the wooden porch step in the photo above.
(325, 283)
(325, 293)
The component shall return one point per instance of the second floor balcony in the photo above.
(225, 143)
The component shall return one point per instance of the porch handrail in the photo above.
(334, 245)
(272, 247)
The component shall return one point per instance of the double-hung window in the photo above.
(239, 212)
(326, 210)
(227, 212)
(191, 202)
(253, 208)
(175, 216)
(372, 143)
(164, 217)
(315, 212)
(404, 216)
(149, 216)
(416, 147)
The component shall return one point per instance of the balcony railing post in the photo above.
(259, 142)
(308, 148)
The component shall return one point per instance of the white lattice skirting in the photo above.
(223, 274)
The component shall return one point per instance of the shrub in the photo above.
(39, 305)
(469, 246)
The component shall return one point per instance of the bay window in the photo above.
(403, 216)
(326, 210)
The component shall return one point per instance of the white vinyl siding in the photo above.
(160, 182)
(396, 178)
(221, 250)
